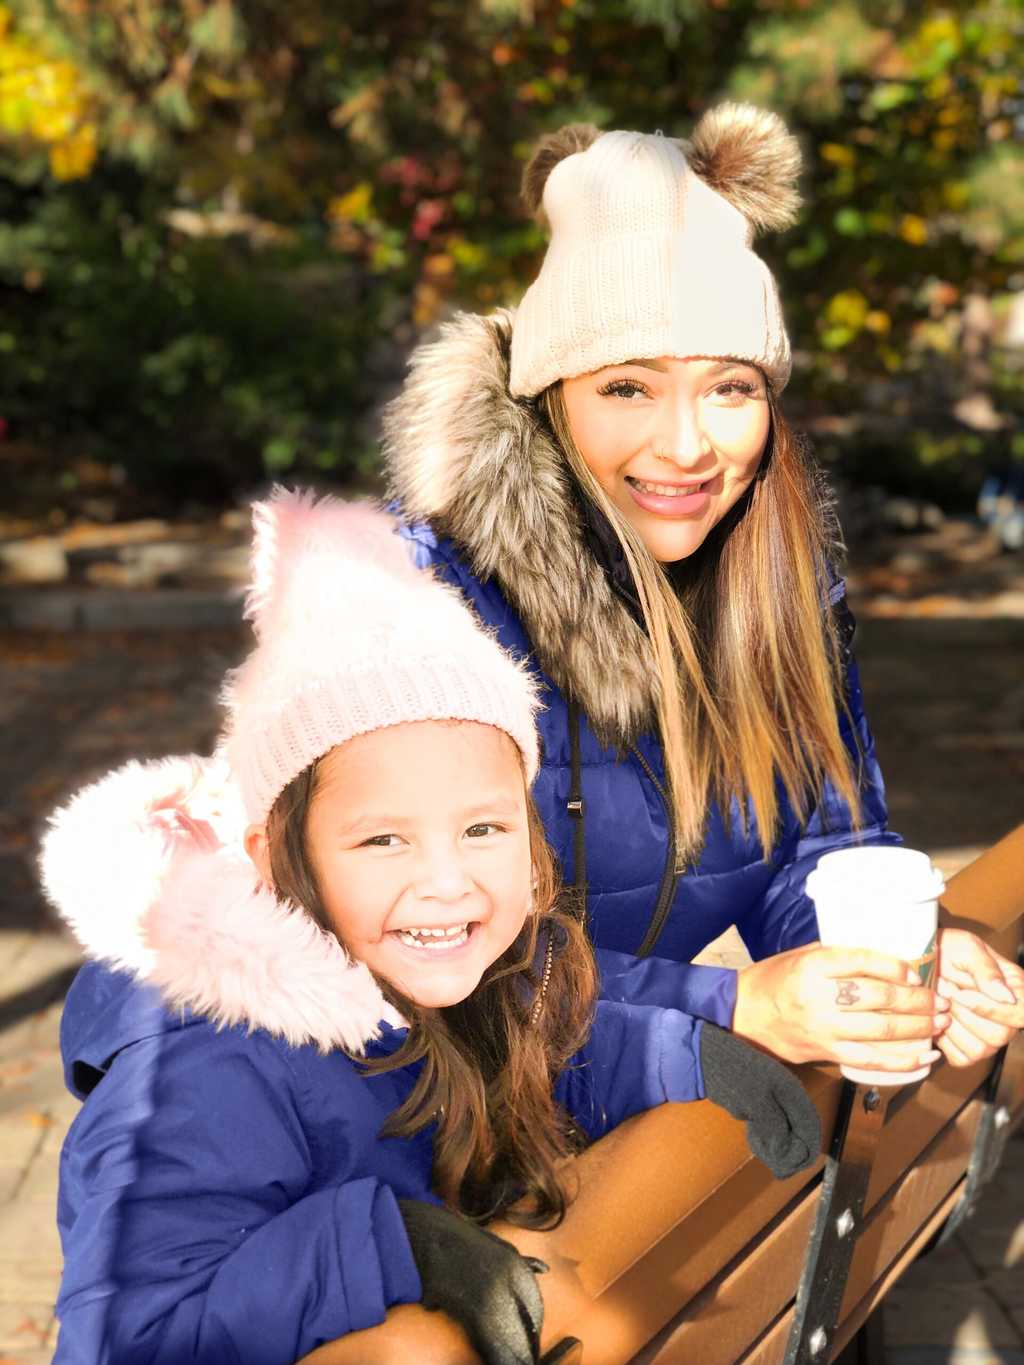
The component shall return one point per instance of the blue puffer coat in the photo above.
(489, 505)
(225, 1198)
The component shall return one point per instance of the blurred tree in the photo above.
(272, 199)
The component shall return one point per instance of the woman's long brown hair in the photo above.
(489, 1066)
(749, 669)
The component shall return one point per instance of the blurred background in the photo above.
(223, 226)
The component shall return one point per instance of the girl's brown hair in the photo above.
(489, 1062)
(747, 658)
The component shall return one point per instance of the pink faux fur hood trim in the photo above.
(148, 869)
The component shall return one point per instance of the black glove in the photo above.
(783, 1127)
(479, 1280)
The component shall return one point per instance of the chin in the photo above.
(439, 995)
(434, 989)
(670, 547)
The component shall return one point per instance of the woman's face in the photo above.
(420, 844)
(674, 443)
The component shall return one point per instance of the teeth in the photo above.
(451, 937)
(665, 490)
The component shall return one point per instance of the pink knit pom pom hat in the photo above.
(352, 637)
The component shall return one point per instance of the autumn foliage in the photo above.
(224, 224)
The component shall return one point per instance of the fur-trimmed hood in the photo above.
(148, 869)
(463, 454)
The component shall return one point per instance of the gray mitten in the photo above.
(783, 1127)
(479, 1280)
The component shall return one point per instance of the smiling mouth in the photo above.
(435, 940)
(667, 490)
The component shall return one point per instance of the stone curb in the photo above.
(83, 609)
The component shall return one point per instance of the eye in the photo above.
(380, 841)
(735, 389)
(482, 830)
(623, 388)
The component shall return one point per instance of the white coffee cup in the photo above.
(887, 899)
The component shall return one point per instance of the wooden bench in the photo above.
(681, 1250)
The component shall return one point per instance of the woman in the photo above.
(607, 475)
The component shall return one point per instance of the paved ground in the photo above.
(946, 694)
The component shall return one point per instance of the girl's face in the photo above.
(674, 443)
(420, 845)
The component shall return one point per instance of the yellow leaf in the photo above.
(73, 158)
(354, 207)
(848, 309)
(913, 229)
(837, 154)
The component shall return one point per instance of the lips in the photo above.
(665, 490)
(435, 939)
(670, 499)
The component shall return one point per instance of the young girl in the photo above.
(606, 473)
(336, 1017)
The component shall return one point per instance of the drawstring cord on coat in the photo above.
(577, 814)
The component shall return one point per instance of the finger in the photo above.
(993, 1035)
(888, 1028)
(893, 1057)
(866, 993)
(966, 955)
(866, 962)
(514, 1342)
(973, 1048)
(1005, 1015)
(951, 1052)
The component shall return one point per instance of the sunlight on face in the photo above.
(674, 443)
(423, 827)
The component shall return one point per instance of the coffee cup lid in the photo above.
(897, 873)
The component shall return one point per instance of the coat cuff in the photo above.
(682, 1074)
(383, 1272)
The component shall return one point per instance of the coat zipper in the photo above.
(670, 872)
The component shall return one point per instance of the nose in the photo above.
(681, 438)
(441, 876)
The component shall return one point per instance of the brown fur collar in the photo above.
(480, 465)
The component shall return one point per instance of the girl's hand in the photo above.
(847, 1005)
(479, 1280)
(987, 992)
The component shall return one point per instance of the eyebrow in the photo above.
(721, 366)
(501, 807)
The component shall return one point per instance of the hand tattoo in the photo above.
(847, 993)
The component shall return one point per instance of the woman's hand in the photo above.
(987, 994)
(847, 1005)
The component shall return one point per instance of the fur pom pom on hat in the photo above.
(650, 250)
(351, 637)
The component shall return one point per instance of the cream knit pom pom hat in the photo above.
(650, 248)
(352, 637)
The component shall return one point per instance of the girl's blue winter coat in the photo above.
(489, 505)
(225, 1195)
